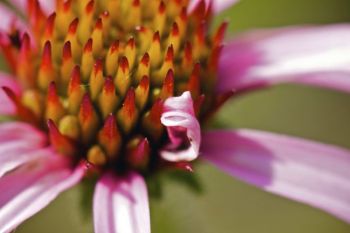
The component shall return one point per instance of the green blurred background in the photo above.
(227, 205)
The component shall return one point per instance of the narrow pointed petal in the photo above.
(309, 172)
(33, 187)
(121, 205)
(218, 5)
(6, 105)
(317, 56)
(183, 128)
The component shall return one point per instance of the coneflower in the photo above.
(120, 89)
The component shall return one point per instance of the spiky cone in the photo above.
(130, 64)
(61, 143)
(54, 107)
(75, 91)
(67, 63)
(138, 153)
(108, 100)
(26, 72)
(112, 59)
(47, 71)
(87, 60)
(109, 137)
(88, 119)
(128, 113)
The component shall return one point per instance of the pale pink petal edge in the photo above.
(218, 5)
(179, 118)
(48, 6)
(313, 173)
(313, 55)
(36, 194)
(121, 204)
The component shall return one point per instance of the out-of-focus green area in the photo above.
(228, 205)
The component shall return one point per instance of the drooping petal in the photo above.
(14, 131)
(6, 105)
(19, 143)
(48, 6)
(312, 55)
(29, 189)
(121, 205)
(218, 5)
(16, 153)
(305, 171)
(182, 127)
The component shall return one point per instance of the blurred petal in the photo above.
(218, 5)
(9, 18)
(12, 131)
(48, 6)
(314, 55)
(31, 188)
(305, 171)
(121, 205)
(18, 152)
(6, 106)
(182, 127)
(334, 80)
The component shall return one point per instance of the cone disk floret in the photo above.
(100, 72)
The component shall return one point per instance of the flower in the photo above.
(121, 95)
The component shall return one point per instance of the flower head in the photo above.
(120, 89)
(100, 74)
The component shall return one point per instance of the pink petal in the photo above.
(12, 131)
(31, 188)
(182, 127)
(6, 105)
(305, 171)
(121, 205)
(314, 55)
(19, 143)
(9, 18)
(218, 5)
(17, 153)
(48, 6)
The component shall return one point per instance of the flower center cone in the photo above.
(96, 74)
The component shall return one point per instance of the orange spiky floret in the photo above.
(47, 71)
(49, 28)
(130, 63)
(111, 63)
(73, 38)
(142, 92)
(75, 91)
(109, 137)
(122, 79)
(54, 108)
(108, 100)
(168, 86)
(96, 79)
(60, 142)
(25, 62)
(87, 59)
(88, 119)
(138, 153)
(97, 37)
(128, 113)
(143, 68)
